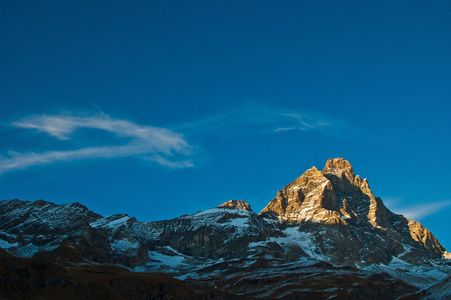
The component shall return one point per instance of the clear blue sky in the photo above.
(162, 108)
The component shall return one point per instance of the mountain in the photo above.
(335, 196)
(324, 235)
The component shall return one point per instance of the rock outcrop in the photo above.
(330, 196)
(308, 198)
(236, 204)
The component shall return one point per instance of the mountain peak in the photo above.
(336, 196)
(338, 166)
(236, 204)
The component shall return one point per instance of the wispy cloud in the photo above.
(165, 146)
(161, 145)
(416, 212)
(421, 211)
(260, 118)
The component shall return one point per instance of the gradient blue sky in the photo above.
(162, 108)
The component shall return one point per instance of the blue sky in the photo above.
(162, 108)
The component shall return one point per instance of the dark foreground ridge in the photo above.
(324, 235)
(29, 278)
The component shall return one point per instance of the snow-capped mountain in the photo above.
(324, 235)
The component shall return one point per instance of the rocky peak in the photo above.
(309, 198)
(330, 196)
(338, 166)
(236, 204)
(337, 196)
(307, 182)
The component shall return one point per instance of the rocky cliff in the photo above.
(336, 196)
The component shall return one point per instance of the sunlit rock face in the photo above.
(309, 198)
(236, 204)
(330, 196)
(369, 232)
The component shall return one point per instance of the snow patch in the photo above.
(117, 223)
(114, 224)
(398, 263)
(294, 237)
(27, 251)
(166, 260)
(6, 245)
(221, 210)
(407, 249)
(420, 276)
(220, 217)
(301, 239)
(124, 245)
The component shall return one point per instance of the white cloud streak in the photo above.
(421, 211)
(166, 147)
(415, 212)
(151, 143)
(259, 118)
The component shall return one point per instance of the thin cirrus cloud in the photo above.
(160, 145)
(164, 146)
(421, 211)
(415, 212)
(251, 118)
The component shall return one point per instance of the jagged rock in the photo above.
(308, 198)
(221, 232)
(237, 204)
(336, 196)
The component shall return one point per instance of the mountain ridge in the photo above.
(327, 222)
